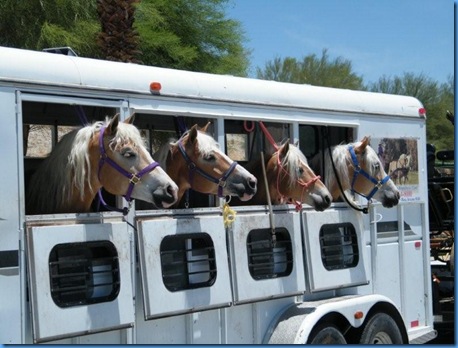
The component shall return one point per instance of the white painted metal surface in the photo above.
(245, 287)
(319, 277)
(160, 301)
(89, 73)
(51, 321)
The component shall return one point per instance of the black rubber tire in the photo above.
(381, 329)
(326, 334)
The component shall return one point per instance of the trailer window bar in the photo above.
(84, 273)
(339, 246)
(268, 259)
(188, 261)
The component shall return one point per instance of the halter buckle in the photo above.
(134, 179)
(222, 183)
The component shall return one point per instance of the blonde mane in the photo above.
(206, 145)
(341, 161)
(290, 161)
(68, 165)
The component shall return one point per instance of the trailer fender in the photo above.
(296, 322)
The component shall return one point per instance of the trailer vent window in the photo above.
(339, 246)
(84, 273)
(268, 259)
(188, 261)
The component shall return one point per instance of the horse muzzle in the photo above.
(244, 190)
(165, 197)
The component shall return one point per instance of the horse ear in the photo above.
(366, 140)
(204, 128)
(192, 135)
(113, 125)
(130, 119)
(284, 148)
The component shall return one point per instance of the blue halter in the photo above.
(359, 170)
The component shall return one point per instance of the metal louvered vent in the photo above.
(84, 273)
(267, 259)
(188, 261)
(339, 246)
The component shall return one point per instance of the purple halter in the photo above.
(133, 178)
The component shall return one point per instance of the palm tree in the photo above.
(118, 40)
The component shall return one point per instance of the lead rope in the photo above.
(255, 128)
(269, 200)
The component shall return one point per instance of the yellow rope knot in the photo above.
(228, 215)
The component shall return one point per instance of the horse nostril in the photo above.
(327, 199)
(170, 190)
(252, 183)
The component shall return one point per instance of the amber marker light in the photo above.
(155, 87)
(359, 315)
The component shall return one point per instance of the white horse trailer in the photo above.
(179, 275)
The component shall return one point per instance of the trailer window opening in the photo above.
(268, 259)
(237, 147)
(84, 273)
(339, 246)
(188, 261)
(308, 143)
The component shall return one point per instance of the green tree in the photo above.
(318, 71)
(192, 35)
(50, 23)
(184, 34)
(436, 99)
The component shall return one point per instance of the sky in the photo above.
(379, 37)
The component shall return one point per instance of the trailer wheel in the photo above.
(381, 329)
(326, 334)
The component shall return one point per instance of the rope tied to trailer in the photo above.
(228, 215)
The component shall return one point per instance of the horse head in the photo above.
(292, 180)
(131, 172)
(360, 170)
(196, 161)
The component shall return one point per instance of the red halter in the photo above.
(305, 185)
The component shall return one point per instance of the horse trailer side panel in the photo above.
(184, 265)
(57, 309)
(335, 256)
(388, 272)
(11, 190)
(415, 294)
(262, 268)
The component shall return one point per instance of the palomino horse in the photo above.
(290, 180)
(399, 170)
(359, 170)
(106, 154)
(196, 162)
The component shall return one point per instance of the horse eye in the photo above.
(210, 157)
(377, 167)
(301, 171)
(128, 153)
